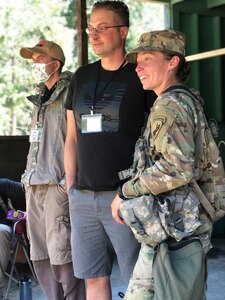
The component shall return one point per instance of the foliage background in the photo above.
(25, 22)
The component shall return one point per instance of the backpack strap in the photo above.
(184, 89)
(180, 88)
(204, 201)
(201, 196)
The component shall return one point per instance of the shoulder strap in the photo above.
(184, 89)
(181, 88)
(201, 196)
(204, 201)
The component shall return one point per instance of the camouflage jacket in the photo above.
(169, 163)
(173, 126)
(45, 158)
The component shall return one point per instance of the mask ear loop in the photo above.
(51, 62)
(54, 70)
(57, 62)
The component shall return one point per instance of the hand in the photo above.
(115, 210)
(68, 186)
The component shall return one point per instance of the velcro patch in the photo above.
(157, 125)
(161, 120)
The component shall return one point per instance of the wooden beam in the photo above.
(206, 54)
(82, 48)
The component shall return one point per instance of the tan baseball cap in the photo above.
(160, 40)
(44, 47)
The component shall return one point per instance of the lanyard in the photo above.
(106, 85)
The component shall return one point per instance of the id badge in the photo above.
(35, 135)
(91, 123)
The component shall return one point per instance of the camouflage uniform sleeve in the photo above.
(172, 139)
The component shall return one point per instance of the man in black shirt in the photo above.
(106, 108)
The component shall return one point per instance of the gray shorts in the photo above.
(95, 234)
(48, 224)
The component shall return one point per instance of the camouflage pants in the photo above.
(141, 285)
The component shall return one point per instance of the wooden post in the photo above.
(82, 48)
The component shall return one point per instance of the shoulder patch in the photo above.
(157, 125)
(161, 120)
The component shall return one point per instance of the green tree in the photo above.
(24, 23)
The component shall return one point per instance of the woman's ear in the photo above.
(174, 62)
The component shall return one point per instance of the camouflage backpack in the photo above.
(211, 185)
(146, 214)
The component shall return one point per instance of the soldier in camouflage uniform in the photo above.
(173, 124)
(46, 199)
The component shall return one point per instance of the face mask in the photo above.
(39, 72)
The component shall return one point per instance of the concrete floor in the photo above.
(216, 270)
(216, 277)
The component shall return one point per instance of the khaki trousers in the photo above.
(58, 282)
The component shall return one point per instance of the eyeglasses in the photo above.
(100, 29)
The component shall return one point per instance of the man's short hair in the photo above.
(118, 7)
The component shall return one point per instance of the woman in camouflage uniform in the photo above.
(173, 124)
